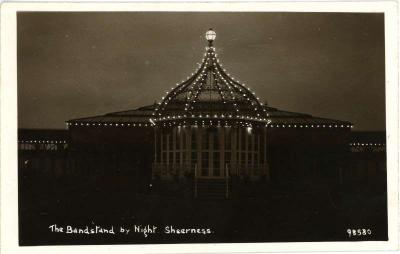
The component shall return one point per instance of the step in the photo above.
(211, 189)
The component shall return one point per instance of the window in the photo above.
(171, 143)
(243, 140)
(255, 171)
(50, 147)
(243, 158)
(256, 142)
(227, 157)
(177, 157)
(184, 157)
(165, 140)
(27, 147)
(194, 139)
(256, 158)
(227, 139)
(204, 159)
(250, 157)
(194, 157)
(204, 140)
(178, 139)
(204, 163)
(215, 138)
(183, 137)
(216, 164)
(250, 139)
(216, 157)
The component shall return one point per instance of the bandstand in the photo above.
(210, 126)
(211, 136)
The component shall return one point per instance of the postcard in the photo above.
(199, 127)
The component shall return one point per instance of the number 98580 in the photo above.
(358, 232)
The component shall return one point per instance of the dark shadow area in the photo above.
(276, 213)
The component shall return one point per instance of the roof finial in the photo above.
(210, 36)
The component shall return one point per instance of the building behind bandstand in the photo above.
(209, 137)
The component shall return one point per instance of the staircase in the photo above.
(211, 188)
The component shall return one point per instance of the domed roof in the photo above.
(210, 93)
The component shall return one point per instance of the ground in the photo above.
(282, 214)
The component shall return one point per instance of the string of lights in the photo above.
(230, 103)
(243, 103)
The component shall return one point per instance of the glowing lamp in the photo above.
(210, 36)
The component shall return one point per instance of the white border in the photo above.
(8, 138)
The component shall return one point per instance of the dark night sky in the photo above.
(74, 65)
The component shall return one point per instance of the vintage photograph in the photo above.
(201, 127)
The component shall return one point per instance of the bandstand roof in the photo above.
(140, 117)
(210, 96)
(210, 92)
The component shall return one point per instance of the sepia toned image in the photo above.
(201, 127)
